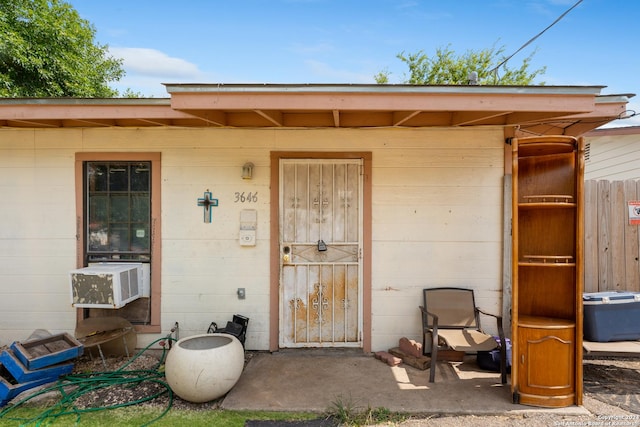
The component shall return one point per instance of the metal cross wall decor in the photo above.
(207, 202)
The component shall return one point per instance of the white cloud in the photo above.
(152, 62)
(311, 49)
(410, 4)
(147, 70)
(327, 74)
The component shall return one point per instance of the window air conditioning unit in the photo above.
(105, 285)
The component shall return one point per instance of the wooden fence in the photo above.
(612, 245)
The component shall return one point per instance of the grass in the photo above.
(137, 416)
(344, 411)
(348, 413)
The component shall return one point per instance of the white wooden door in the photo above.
(320, 253)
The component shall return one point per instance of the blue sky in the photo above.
(349, 41)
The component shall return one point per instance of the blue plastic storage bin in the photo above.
(611, 316)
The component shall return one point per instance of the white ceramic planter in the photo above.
(204, 367)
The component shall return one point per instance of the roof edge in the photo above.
(622, 97)
(204, 88)
(87, 101)
(621, 130)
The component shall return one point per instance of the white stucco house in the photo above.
(319, 212)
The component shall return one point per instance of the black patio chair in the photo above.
(451, 320)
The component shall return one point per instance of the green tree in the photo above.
(47, 50)
(447, 68)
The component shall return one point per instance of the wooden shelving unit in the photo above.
(547, 270)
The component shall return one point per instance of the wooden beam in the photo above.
(92, 123)
(274, 117)
(469, 118)
(379, 101)
(88, 112)
(400, 117)
(36, 123)
(213, 117)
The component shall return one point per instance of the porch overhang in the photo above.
(540, 110)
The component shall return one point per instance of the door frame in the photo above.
(274, 288)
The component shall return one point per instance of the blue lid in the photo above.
(610, 297)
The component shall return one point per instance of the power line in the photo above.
(535, 37)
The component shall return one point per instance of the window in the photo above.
(118, 209)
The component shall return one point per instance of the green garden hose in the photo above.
(72, 387)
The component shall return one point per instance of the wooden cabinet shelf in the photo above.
(549, 198)
(547, 271)
(546, 265)
(538, 322)
(546, 205)
(547, 261)
(551, 146)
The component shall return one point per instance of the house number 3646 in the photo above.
(243, 197)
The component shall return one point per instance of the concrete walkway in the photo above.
(316, 382)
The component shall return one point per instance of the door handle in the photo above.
(287, 254)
